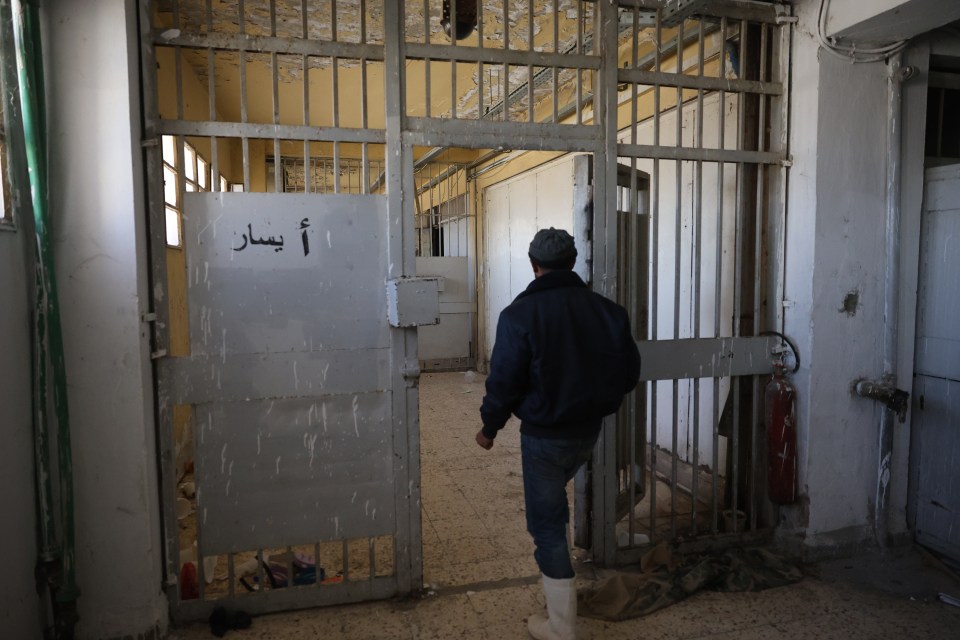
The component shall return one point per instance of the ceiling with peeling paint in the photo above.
(447, 86)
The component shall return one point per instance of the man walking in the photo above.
(563, 359)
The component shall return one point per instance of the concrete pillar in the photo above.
(98, 207)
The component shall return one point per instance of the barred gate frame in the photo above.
(495, 130)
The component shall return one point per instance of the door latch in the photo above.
(897, 400)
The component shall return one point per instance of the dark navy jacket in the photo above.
(564, 358)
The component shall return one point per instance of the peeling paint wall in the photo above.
(98, 207)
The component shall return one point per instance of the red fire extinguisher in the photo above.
(781, 423)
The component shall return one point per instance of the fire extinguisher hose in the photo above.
(793, 347)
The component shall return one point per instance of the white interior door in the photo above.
(514, 211)
(936, 413)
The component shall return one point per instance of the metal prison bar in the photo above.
(679, 312)
(539, 75)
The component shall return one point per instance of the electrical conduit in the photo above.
(47, 323)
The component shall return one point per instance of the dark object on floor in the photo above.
(625, 596)
(223, 620)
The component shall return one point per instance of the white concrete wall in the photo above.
(98, 207)
(800, 231)
(835, 247)
(19, 604)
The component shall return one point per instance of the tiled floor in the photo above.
(480, 577)
(473, 518)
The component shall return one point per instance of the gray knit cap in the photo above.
(552, 248)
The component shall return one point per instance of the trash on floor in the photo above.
(276, 569)
(631, 595)
(223, 620)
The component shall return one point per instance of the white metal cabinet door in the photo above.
(937, 387)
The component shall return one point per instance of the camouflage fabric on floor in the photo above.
(631, 595)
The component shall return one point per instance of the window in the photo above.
(196, 177)
(6, 210)
(171, 195)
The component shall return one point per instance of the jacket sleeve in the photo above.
(508, 380)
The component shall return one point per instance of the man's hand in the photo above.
(484, 441)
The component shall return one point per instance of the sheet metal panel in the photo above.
(452, 337)
(292, 402)
(705, 357)
(283, 471)
(413, 302)
(263, 269)
(938, 494)
(207, 378)
(938, 332)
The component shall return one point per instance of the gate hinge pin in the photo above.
(159, 353)
(149, 142)
(787, 19)
(786, 162)
(149, 317)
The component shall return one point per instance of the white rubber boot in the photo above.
(561, 620)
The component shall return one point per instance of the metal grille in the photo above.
(700, 173)
(523, 76)
(323, 175)
(684, 115)
(443, 211)
(269, 96)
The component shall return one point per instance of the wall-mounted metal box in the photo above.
(413, 302)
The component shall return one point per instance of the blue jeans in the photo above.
(548, 464)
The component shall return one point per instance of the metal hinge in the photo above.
(159, 353)
(787, 19)
(149, 317)
(411, 370)
(786, 162)
(147, 143)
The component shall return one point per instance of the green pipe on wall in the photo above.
(30, 76)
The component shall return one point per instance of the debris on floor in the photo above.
(946, 598)
(666, 582)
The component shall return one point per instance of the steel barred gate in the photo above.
(285, 140)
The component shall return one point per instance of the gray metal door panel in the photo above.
(289, 376)
(261, 267)
(199, 378)
(292, 471)
(449, 341)
(938, 340)
(938, 495)
(937, 388)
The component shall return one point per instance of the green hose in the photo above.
(30, 76)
